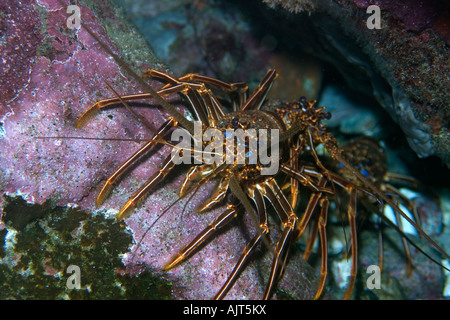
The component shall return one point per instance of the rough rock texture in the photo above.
(425, 282)
(49, 78)
(294, 6)
(42, 242)
(46, 85)
(404, 65)
(218, 39)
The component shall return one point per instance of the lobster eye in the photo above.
(302, 100)
(327, 115)
(235, 122)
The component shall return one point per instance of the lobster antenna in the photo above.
(394, 206)
(127, 106)
(169, 108)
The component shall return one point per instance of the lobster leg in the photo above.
(351, 212)
(214, 111)
(222, 220)
(398, 218)
(237, 91)
(305, 179)
(138, 154)
(188, 90)
(313, 200)
(311, 240)
(323, 244)
(413, 209)
(289, 221)
(166, 167)
(255, 101)
(94, 109)
(379, 227)
(218, 84)
(294, 155)
(410, 205)
(218, 195)
(256, 195)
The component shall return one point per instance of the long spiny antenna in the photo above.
(188, 125)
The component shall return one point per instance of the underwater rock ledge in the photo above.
(65, 75)
(404, 65)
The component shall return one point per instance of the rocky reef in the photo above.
(51, 172)
(403, 64)
(41, 242)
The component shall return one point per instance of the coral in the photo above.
(43, 246)
(60, 84)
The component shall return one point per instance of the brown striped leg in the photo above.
(255, 101)
(323, 244)
(306, 179)
(222, 220)
(398, 218)
(166, 167)
(351, 212)
(289, 221)
(311, 240)
(312, 203)
(157, 138)
(237, 91)
(217, 196)
(188, 91)
(256, 195)
(379, 227)
(94, 109)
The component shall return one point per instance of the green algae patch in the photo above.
(53, 252)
